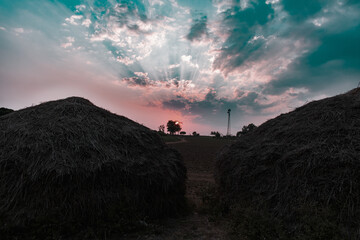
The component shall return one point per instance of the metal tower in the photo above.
(228, 133)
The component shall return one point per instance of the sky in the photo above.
(186, 60)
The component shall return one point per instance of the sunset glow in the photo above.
(157, 60)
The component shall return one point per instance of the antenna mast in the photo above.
(228, 133)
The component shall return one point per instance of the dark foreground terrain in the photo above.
(201, 223)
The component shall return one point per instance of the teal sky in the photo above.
(155, 60)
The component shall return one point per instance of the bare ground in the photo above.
(199, 157)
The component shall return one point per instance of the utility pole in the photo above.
(228, 133)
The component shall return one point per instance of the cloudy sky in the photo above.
(155, 60)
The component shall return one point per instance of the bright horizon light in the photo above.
(153, 61)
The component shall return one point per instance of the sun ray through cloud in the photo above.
(194, 59)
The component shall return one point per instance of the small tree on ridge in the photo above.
(161, 128)
(173, 126)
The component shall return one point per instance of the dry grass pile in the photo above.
(298, 173)
(4, 111)
(69, 160)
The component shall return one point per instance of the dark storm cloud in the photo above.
(305, 9)
(302, 10)
(241, 25)
(352, 2)
(342, 47)
(198, 29)
(247, 98)
(336, 59)
(175, 104)
(326, 28)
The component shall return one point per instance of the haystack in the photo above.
(300, 166)
(69, 160)
(4, 111)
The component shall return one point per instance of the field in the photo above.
(171, 138)
(199, 156)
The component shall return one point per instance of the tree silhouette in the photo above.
(216, 134)
(195, 134)
(162, 128)
(246, 129)
(173, 126)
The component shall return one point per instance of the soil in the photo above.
(199, 156)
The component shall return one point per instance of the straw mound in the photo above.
(69, 159)
(4, 111)
(308, 157)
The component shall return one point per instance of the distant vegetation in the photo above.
(195, 134)
(246, 129)
(215, 134)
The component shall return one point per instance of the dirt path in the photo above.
(199, 157)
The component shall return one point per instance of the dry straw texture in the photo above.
(4, 111)
(71, 160)
(299, 166)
